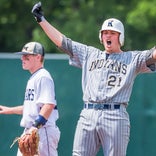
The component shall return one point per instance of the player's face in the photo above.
(29, 62)
(111, 41)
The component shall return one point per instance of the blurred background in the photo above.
(80, 20)
(13, 79)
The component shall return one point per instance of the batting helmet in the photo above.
(115, 25)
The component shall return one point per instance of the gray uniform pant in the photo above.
(107, 128)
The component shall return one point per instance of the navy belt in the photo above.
(98, 106)
(55, 107)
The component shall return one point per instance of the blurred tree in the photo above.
(141, 20)
(81, 20)
(14, 24)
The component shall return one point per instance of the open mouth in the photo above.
(109, 42)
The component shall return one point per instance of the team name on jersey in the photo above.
(29, 94)
(109, 64)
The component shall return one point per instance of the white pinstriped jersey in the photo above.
(107, 80)
(39, 90)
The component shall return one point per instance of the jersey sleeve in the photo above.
(77, 51)
(145, 61)
(46, 91)
(150, 61)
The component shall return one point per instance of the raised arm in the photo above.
(154, 54)
(152, 60)
(55, 36)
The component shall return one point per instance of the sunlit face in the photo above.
(110, 41)
(29, 62)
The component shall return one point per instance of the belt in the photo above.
(55, 107)
(98, 106)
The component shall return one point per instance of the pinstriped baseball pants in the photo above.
(107, 128)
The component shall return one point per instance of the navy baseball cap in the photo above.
(32, 48)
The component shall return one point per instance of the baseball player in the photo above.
(40, 107)
(107, 80)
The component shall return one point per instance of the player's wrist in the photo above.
(39, 122)
(29, 132)
(40, 19)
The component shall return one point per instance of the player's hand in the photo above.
(28, 142)
(4, 110)
(37, 12)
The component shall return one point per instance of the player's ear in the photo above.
(40, 57)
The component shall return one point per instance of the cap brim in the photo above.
(22, 53)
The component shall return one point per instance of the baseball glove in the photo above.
(28, 143)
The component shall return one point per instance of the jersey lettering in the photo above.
(29, 94)
(96, 64)
(114, 81)
(109, 64)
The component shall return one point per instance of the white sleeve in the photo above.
(46, 91)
